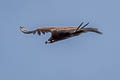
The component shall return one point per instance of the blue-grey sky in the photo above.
(86, 57)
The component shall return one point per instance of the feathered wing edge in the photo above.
(38, 31)
(92, 30)
(25, 31)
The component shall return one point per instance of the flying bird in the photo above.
(61, 33)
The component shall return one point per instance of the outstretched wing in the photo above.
(39, 31)
(52, 30)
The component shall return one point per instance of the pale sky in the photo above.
(89, 56)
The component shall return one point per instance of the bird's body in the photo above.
(61, 33)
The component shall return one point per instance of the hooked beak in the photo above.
(52, 41)
(46, 42)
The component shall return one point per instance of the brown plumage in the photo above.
(61, 33)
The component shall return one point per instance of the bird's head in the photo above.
(49, 41)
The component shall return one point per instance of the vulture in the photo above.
(61, 33)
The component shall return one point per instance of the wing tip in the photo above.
(22, 28)
(25, 31)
